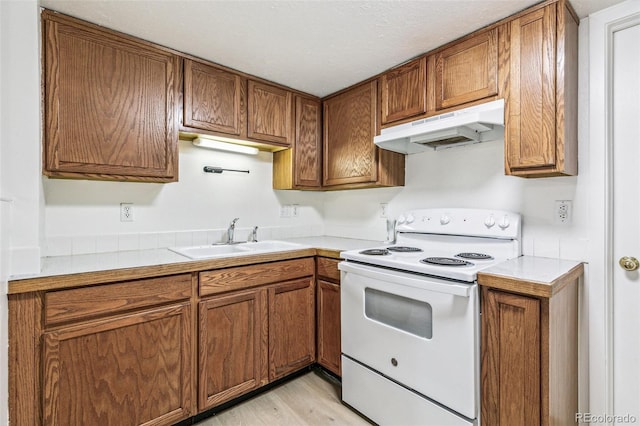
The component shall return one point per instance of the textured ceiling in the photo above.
(318, 47)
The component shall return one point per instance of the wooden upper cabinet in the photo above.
(349, 127)
(466, 71)
(109, 104)
(271, 113)
(541, 98)
(214, 99)
(403, 91)
(301, 166)
(350, 158)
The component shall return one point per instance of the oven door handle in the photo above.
(402, 278)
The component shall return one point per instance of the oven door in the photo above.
(421, 332)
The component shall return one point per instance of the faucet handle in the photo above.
(233, 222)
(254, 235)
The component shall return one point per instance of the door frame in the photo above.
(602, 26)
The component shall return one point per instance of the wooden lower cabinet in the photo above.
(129, 370)
(529, 357)
(232, 350)
(328, 314)
(292, 325)
(511, 359)
(328, 329)
(249, 337)
(158, 350)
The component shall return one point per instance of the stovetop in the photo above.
(447, 243)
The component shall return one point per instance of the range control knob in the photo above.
(445, 219)
(410, 218)
(490, 221)
(401, 219)
(504, 223)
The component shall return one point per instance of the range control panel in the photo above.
(469, 222)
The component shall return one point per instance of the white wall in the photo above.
(83, 216)
(4, 255)
(20, 131)
(20, 219)
(471, 176)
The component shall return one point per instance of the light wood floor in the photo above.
(306, 400)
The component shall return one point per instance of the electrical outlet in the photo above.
(384, 210)
(295, 210)
(126, 212)
(285, 210)
(562, 212)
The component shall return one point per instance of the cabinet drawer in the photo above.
(328, 268)
(88, 302)
(223, 280)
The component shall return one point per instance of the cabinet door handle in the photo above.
(629, 263)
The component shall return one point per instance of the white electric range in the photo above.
(410, 316)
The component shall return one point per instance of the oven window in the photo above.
(412, 316)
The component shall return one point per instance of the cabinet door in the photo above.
(329, 326)
(291, 327)
(270, 113)
(530, 139)
(307, 149)
(213, 99)
(130, 370)
(350, 155)
(301, 166)
(404, 91)
(109, 105)
(467, 71)
(511, 357)
(233, 346)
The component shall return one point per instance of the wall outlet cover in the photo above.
(126, 212)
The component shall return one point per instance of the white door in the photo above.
(625, 144)
(612, 295)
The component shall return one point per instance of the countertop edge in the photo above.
(531, 287)
(58, 282)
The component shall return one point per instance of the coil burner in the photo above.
(445, 261)
(375, 252)
(404, 249)
(474, 256)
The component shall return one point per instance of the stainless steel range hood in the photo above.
(475, 124)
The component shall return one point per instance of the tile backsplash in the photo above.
(87, 244)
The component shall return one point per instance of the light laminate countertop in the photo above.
(68, 271)
(535, 276)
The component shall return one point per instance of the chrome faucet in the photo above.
(230, 230)
(253, 237)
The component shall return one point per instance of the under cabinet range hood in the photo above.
(475, 124)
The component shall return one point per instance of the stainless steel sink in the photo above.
(240, 249)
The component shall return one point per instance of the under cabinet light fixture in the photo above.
(224, 146)
(218, 170)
